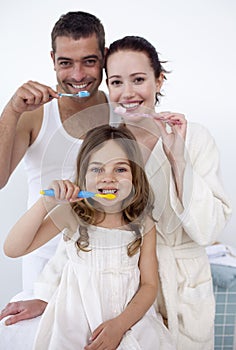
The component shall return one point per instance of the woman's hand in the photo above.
(174, 144)
(173, 140)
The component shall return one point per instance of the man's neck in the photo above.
(69, 106)
(78, 117)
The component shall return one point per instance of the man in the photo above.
(35, 111)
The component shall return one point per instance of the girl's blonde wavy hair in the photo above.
(137, 206)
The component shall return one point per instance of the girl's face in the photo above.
(131, 80)
(109, 172)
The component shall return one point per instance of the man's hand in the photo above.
(30, 96)
(22, 310)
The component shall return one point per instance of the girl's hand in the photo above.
(107, 336)
(173, 141)
(65, 190)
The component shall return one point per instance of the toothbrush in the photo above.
(79, 94)
(122, 111)
(82, 194)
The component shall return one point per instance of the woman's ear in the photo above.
(159, 82)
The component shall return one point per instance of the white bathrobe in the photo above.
(187, 299)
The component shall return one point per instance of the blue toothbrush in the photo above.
(79, 94)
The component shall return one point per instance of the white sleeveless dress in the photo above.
(96, 286)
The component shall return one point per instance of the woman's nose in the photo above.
(128, 91)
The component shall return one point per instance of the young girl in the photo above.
(109, 282)
(191, 208)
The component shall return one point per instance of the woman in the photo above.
(191, 208)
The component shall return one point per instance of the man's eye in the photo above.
(90, 63)
(64, 63)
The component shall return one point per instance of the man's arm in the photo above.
(19, 124)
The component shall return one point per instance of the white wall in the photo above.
(196, 37)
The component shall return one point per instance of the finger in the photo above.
(10, 309)
(74, 197)
(56, 187)
(16, 318)
(69, 187)
(95, 345)
(41, 93)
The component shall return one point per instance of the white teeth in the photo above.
(108, 191)
(81, 86)
(130, 105)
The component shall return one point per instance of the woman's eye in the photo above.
(116, 82)
(139, 80)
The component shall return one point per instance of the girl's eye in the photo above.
(121, 170)
(96, 170)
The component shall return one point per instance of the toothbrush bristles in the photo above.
(106, 195)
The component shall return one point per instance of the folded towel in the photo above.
(221, 254)
(223, 276)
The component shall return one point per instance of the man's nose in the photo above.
(78, 72)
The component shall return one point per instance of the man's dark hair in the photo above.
(78, 25)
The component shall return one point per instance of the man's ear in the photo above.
(52, 54)
(105, 51)
(104, 57)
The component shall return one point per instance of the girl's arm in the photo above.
(147, 293)
(111, 332)
(36, 227)
(31, 231)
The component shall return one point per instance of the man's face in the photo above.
(78, 64)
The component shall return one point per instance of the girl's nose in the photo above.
(108, 176)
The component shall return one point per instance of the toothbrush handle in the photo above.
(81, 194)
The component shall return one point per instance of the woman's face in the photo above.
(131, 80)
